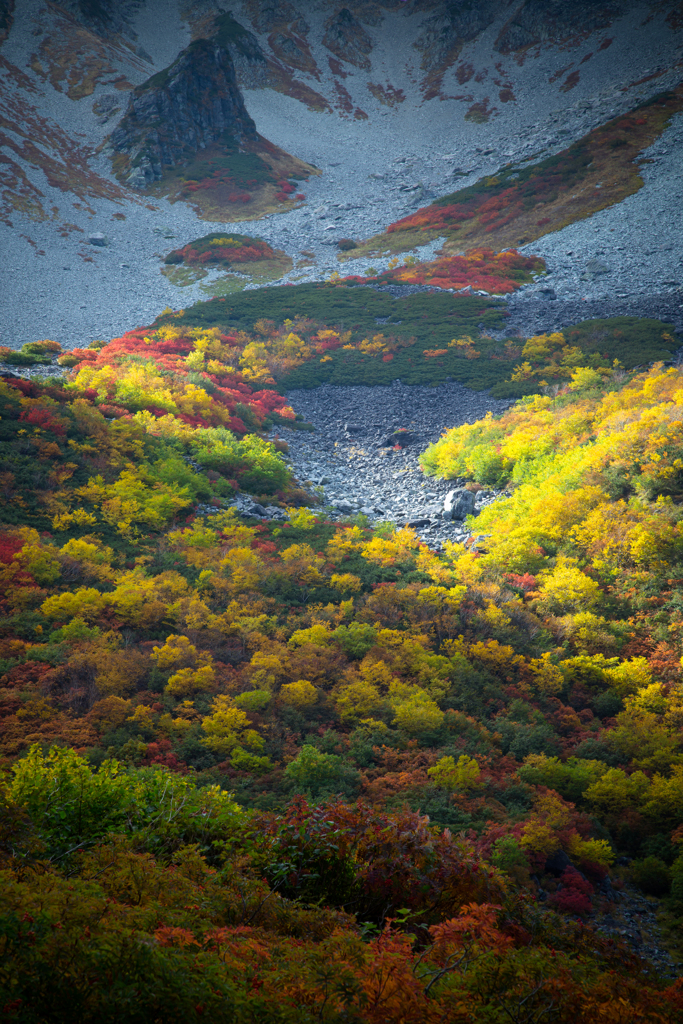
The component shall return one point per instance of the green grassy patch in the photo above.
(238, 169)
(182, 276)
(227, 284)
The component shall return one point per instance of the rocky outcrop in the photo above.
(442, 35)
(347, 39)
(183, 109)
(396, 439)
(287, 34)
(247, 56)
(104, 17)
(459, 503)
(6, 18)
(289, 51)
(538, 21)
(267, 14)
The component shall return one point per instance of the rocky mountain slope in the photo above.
(482, 170)
(396, 103)
(184, 108)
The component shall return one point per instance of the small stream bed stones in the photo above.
(362, 455)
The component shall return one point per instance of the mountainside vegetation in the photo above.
(524, 201)
(238, 751)
(263, 761)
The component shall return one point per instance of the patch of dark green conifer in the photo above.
(433, 320)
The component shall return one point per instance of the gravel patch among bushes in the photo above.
(357, 461)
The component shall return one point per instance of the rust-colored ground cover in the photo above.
(521, 203)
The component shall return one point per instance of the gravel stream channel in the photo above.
(362, 455)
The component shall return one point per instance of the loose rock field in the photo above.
(350, 461)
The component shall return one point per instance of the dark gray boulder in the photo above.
(459, 503)
(557, 863)
(347, 39)
(400, 438)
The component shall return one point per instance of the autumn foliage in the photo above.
(195, 377)
(222, 251)
(314, 769)
(143, 924)
(479, 269)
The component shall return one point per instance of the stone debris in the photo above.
(367, 471)
(628, 915)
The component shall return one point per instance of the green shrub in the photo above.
(253, 700)
(72, 805)
(651, 875)
(507, 854)
(314, 772)
(677, 879)
(355, 639)
(489, 467)
(570, 779)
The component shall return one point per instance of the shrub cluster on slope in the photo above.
(528, 694)
(523, 202)
(77, 457)
(592, 345)
(591, 534)
(177, 378)
(240, 184)
(32, 353)
(526, 691)
(253, 258)
(339, 333)
(219, 249)
(479, 269)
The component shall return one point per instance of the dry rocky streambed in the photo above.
(362, 455)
